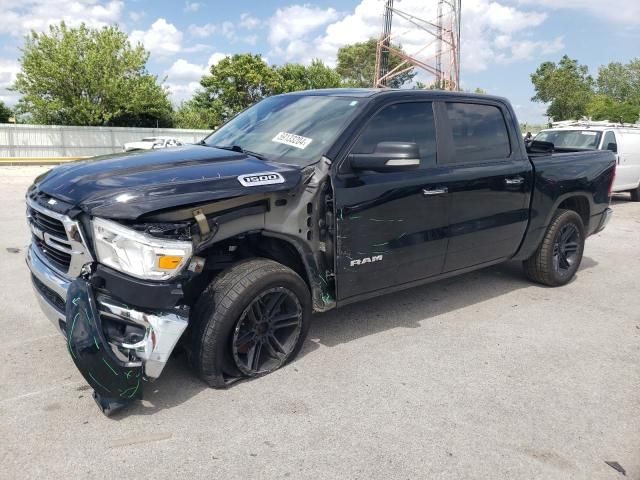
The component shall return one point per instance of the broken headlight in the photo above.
(138, 254)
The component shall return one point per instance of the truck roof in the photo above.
(375, 92)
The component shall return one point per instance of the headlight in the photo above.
(137, 254)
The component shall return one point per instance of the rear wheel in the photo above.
(250, 321)
(635, 194)
(558, 257)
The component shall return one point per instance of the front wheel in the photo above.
(250, 321)
(635, 194)
(558, 257)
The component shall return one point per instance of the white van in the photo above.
(623, 140)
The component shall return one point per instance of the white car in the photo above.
(623, 140)
(150, 143)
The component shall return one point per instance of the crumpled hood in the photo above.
(128, 185)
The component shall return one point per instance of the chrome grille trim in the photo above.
(72, 245)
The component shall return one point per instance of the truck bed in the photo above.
(557, 176)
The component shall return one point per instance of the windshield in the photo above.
(292, 129)
(571, 139)
(148, 139)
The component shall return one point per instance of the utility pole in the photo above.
(382, 51)
(439, 56)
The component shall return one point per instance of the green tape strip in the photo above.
(110, 367)
(135, 389)
(94, 379)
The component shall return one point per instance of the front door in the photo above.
(391, 226)
(489, 186)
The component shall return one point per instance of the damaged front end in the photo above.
(117, 348)
(120, 289)
(120, 330)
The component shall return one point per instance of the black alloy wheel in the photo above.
(566, 248)
(267, 332)
(558, 257)
(250, 320)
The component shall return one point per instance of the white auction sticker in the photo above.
(292, 140)
(589, 133)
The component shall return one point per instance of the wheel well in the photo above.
(225, 254)
(282, 252)
(580, 205)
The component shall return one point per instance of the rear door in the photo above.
(389, 231)
(489, 183)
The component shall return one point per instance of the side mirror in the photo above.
(388, 157)
(613, 147)
(540, 147)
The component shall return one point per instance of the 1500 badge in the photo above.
(265, 178)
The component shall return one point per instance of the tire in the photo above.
(553, 263)
(233, 309)
(635, 194)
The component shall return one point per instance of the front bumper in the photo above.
(50, 289)
(150, 351)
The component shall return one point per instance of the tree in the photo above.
(148, 106)
(295, 77)
(5, 113)
(604, 107)
(190, 115)
(239, 81)
(620, 82)
(235, 83)
(84, 76)
(357, 64)
(566, 86)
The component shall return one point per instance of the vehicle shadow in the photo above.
(405, 309)
(408, 308)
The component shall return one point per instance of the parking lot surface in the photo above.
(483, 376)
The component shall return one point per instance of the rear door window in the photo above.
(479, 133)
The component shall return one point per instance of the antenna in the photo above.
(439, 56)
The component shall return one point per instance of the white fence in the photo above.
(52, 141)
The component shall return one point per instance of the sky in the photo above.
(503, 41)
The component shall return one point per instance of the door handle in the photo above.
(435, 191)
(514, 181)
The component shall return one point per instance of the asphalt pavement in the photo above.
(484, 376)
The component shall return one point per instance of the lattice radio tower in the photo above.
(439, 56)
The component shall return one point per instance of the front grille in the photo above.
(52, 297)
(61, 260)
(52, 226)
(56, 238)
(50, 237)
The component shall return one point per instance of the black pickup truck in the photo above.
(302, 203)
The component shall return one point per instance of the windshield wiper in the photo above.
(239, 149)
